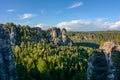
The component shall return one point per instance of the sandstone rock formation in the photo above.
(116, 49)
(65, 40)
(111, 58)
(7, 67)
(26, 34)
(38, 33)
(59, 37)
(100, 67)
(116, 60)
(107, 46)
(13, 35)
(53, 35)
(11, 27)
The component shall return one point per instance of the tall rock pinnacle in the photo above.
(7, 67)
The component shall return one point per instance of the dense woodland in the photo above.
(47, 62)
(41, 60)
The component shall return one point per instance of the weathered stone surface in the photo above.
(59, 37)
(111, 52)
(65, 39)
(100, 66)
(37, 30)
(107, 46)
(38, 33)
(54, 32)
(13, 35)
(116, 49)
(7, 67)
(28, 28)
(116, 59)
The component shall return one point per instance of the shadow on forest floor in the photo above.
(87, 44)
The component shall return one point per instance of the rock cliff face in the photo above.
(116, 49)
(59, 37)
(100, 67)
(106, 62)
(53, 35)
(13, 35)
(27, 34)
(38, 33)
(116, 61)
(65, 40)
(107, 47)
(7, 67)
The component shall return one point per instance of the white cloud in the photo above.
(73, 25)
(115, 25)
(85, 25)
(10, 10)
(75, 5)
(27, 15)
(43, 26)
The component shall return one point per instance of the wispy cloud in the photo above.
(27, 15)
(10, 10)
(75, 5)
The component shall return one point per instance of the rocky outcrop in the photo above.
(116, 60)
(107, 47)
(11, 27)
(59, 37)
(65, 40)
(38, 32)
(27, 34)
(100, 67)
(54, 32)
(13, 35)
(7, 67)
(116, 49)
(111, 59)
(53, 35)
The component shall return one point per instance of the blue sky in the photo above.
(74, 15)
